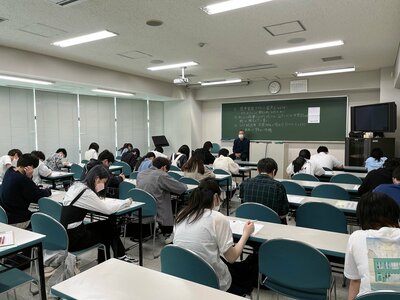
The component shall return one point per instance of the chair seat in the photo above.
(12, 278)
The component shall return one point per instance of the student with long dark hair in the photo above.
(181, 157)
(87, 196)
(92, 152)
(376, 160)
(375, 249)
(202, 229)
(194, 167)
(303, 164)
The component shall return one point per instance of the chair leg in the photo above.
(33, 265)
(154, 237)
(258, 286)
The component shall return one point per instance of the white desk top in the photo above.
(346, 206)
(328, 242)
(190, 186)
(22, 239)
(333, 173)
(115, 168)
(117, 280)
(312, 184)
(58, 174)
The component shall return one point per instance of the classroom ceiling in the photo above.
(369, 28)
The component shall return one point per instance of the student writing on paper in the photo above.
(92, 152)
(6, 161)
(202, 229)
(326, 160)
(181, 157)
(376, 160)
(194, 167)
(303, 164)
(42, 170)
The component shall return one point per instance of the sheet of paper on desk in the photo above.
(237, 227)
(356, 186)
(346, 204)
(6, 238)
(55, 192)
(295, 199)
(330, 173)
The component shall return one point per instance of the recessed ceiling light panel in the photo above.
(112, 92)
(23, 79)
(325, 72)
(230, 5)
(306, 47)
(173, 66)
(85, 38)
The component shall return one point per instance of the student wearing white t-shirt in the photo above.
(303, 164)
(224, 162)
(202, 229)
(8, 160)
(325, 160)
(42, 170)
(369, 250)
(92, 152)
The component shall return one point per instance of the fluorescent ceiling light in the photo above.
(27, 80)
(324, 72)
(205, 83)
(230, 5)
(85, 38)
(305, 48)
(112, 92)
(174, 66)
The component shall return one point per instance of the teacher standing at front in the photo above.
(241, 147)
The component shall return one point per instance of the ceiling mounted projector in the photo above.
(182, 80)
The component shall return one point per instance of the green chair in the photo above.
(188, 180)
(149, 210)
(257, 211)
(346, 178)
(215, 148)
(126, 169)
(77, 170)
(124, 187)
(174, 168)
(306, 177)
(380, 296)
(174, 175)
(295, 269)
(50, 207)
(330, 191)
(293, 188)
(186, 264)
(11, 279)
(84, 161)
(133, 175)
(3, 216)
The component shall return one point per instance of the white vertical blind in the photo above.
(17, 120)
(57, 123)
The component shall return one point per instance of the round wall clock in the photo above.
(274, 87)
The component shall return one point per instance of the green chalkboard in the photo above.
(287, 120)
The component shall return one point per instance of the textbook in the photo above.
(6, 238)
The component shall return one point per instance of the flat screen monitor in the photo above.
(380, 117)
(160, 141)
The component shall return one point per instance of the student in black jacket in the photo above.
(19, 191)
(208, 157)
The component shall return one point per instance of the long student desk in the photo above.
(330, 243)
(135, 206)
(25, 239)
(344, 205)
(115, 169)
(58, 176)
(329, 174)
(355, 169)
(118, 280)
(351, 188)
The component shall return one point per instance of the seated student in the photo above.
(194, 167)
(159, 152)
(125, 148)
(325, 160)
(92, 152)
(131, 157)
(145, 162)
(7, 161)
(18, 191)
(181, 157)
(378, 241)
(380, 176)
(106, 159)
(156, 181)
(42, 170)
(376, 160)
(84, 196)
(224, 162)
(55, 161)
(265, 189)
(208, 157)
(303, 164)
(392, 190)
(241, 147)
(199, 227)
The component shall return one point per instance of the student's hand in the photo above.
(122, 175)
(248, 228)
(237, 155)
(129, 202)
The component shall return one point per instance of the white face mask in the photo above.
(241, 136)
(99, 187)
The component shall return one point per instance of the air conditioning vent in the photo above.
(332, 58)
(251, 68)
(67, 2)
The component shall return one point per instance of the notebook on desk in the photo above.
(6, 238)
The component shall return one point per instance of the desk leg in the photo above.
(42, 281)
(140, 238)
(53, 184)
(227, 197)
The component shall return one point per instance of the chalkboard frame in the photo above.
(343, 98)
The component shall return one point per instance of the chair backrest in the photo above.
(186, 264)
(174, 168)
(215, 148)
(188, 180)
(380, 296)
(330, 191)
(118, 157)
(124, 187)
(309, 271)
(150, 207)
(321, 216)
(303, 176)
(257, 211)
(174, 175)
(56, 235)
(84, 161)
(346, 178)
(126, 169)
(77, 170)
(223, 172)
(50, 207)
(293, 188)
(133, 175)
(3, 216)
